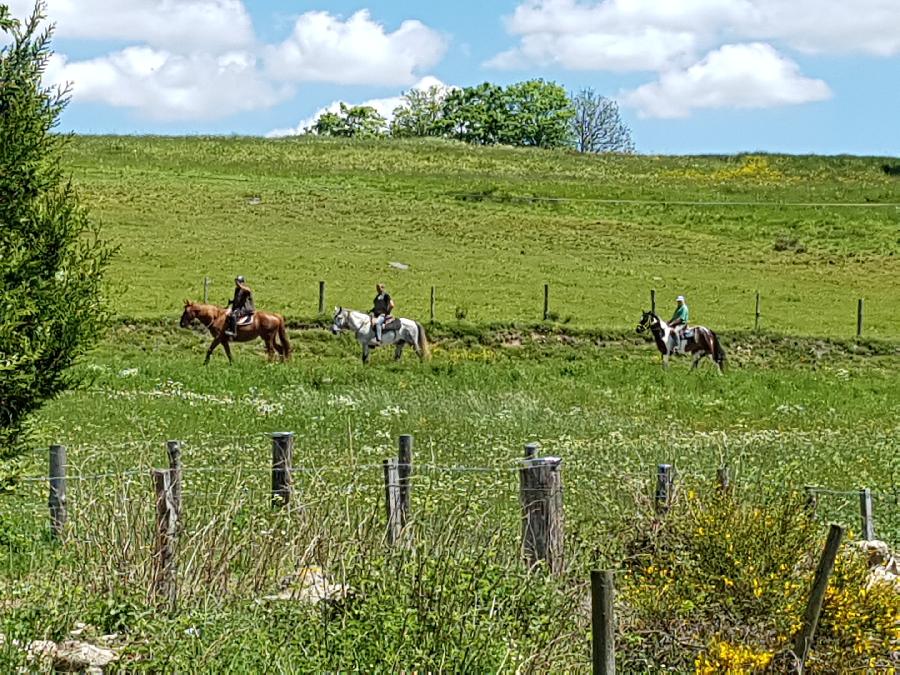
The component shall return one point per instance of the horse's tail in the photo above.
(718, 352)
(282, 337)
(424, 348)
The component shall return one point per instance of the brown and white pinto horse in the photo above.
(270, 327)
(703, 342)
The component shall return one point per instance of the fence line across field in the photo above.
(542, 531)
(538, 475)
(549, 315)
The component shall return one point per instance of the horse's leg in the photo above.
(665, 360)
(365, 353)
(698, 355)
(215, 343)
(398, 351)
(227, 347)
(269, 341)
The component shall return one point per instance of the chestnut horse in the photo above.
(269, 327)
(703, 342)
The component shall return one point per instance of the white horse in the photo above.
(409, 333)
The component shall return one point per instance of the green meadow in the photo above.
(484, 227)
(802, 403)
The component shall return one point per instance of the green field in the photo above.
(802, 403)
(466, 221)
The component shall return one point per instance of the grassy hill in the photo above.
(489, 226)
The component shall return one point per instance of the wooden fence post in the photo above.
(540, 492)
(756, 320)
(282, 452)
(865, 512)
(804, 638)
(173, 448)
(531, 450)
(432, 304)
(392, 500)
(57, 498)
(603, 623)
(722, 479)
(859, 317)
(404, 472)
(811, 502)
(664, 485)
(653, 300)
(164, 561)
(321, 297)
(546, 302)
(205, 290)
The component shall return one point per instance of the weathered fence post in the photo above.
(164, 561)
(546, 302)
(432, 304)
(722, 479)
(173, 448)
(811, 502)
(531, 450)
(603, 623)
(392, 500)
(804, 638)
(859, 317)
(205, 290)
(404, 472)
(321, 297)
(282, 452)
(664, 485)
(540, 491)
(865, 512)
(57, 498)
(653, 300)
(756, 320)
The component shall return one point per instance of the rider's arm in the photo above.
(390, 305)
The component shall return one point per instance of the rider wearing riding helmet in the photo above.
(240, 305)
(680, 317)
(381, 307)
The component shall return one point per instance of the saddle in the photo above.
(245, 320)
(391, 323)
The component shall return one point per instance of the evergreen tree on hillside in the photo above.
(51, 257)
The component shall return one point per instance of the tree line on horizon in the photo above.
(533, 113)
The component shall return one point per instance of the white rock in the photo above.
(877, 551)
(399, 265)
(310, 585)
(74, 655)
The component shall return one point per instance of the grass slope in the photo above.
(470, 221)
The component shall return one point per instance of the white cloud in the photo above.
(168, 86)
(322, 48)
(176, 25)
(200, 59)
(642, 49)
(384, 106)
(614, 34)
(733, 76)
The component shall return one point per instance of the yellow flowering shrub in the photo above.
(733, 659)
(720, 585)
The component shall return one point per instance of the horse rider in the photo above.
(239, 306)
(679, 319)
(381, 308)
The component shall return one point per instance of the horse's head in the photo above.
(189, 314)
(339, 321)
(648, 319)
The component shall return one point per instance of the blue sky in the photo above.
(691, 76)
